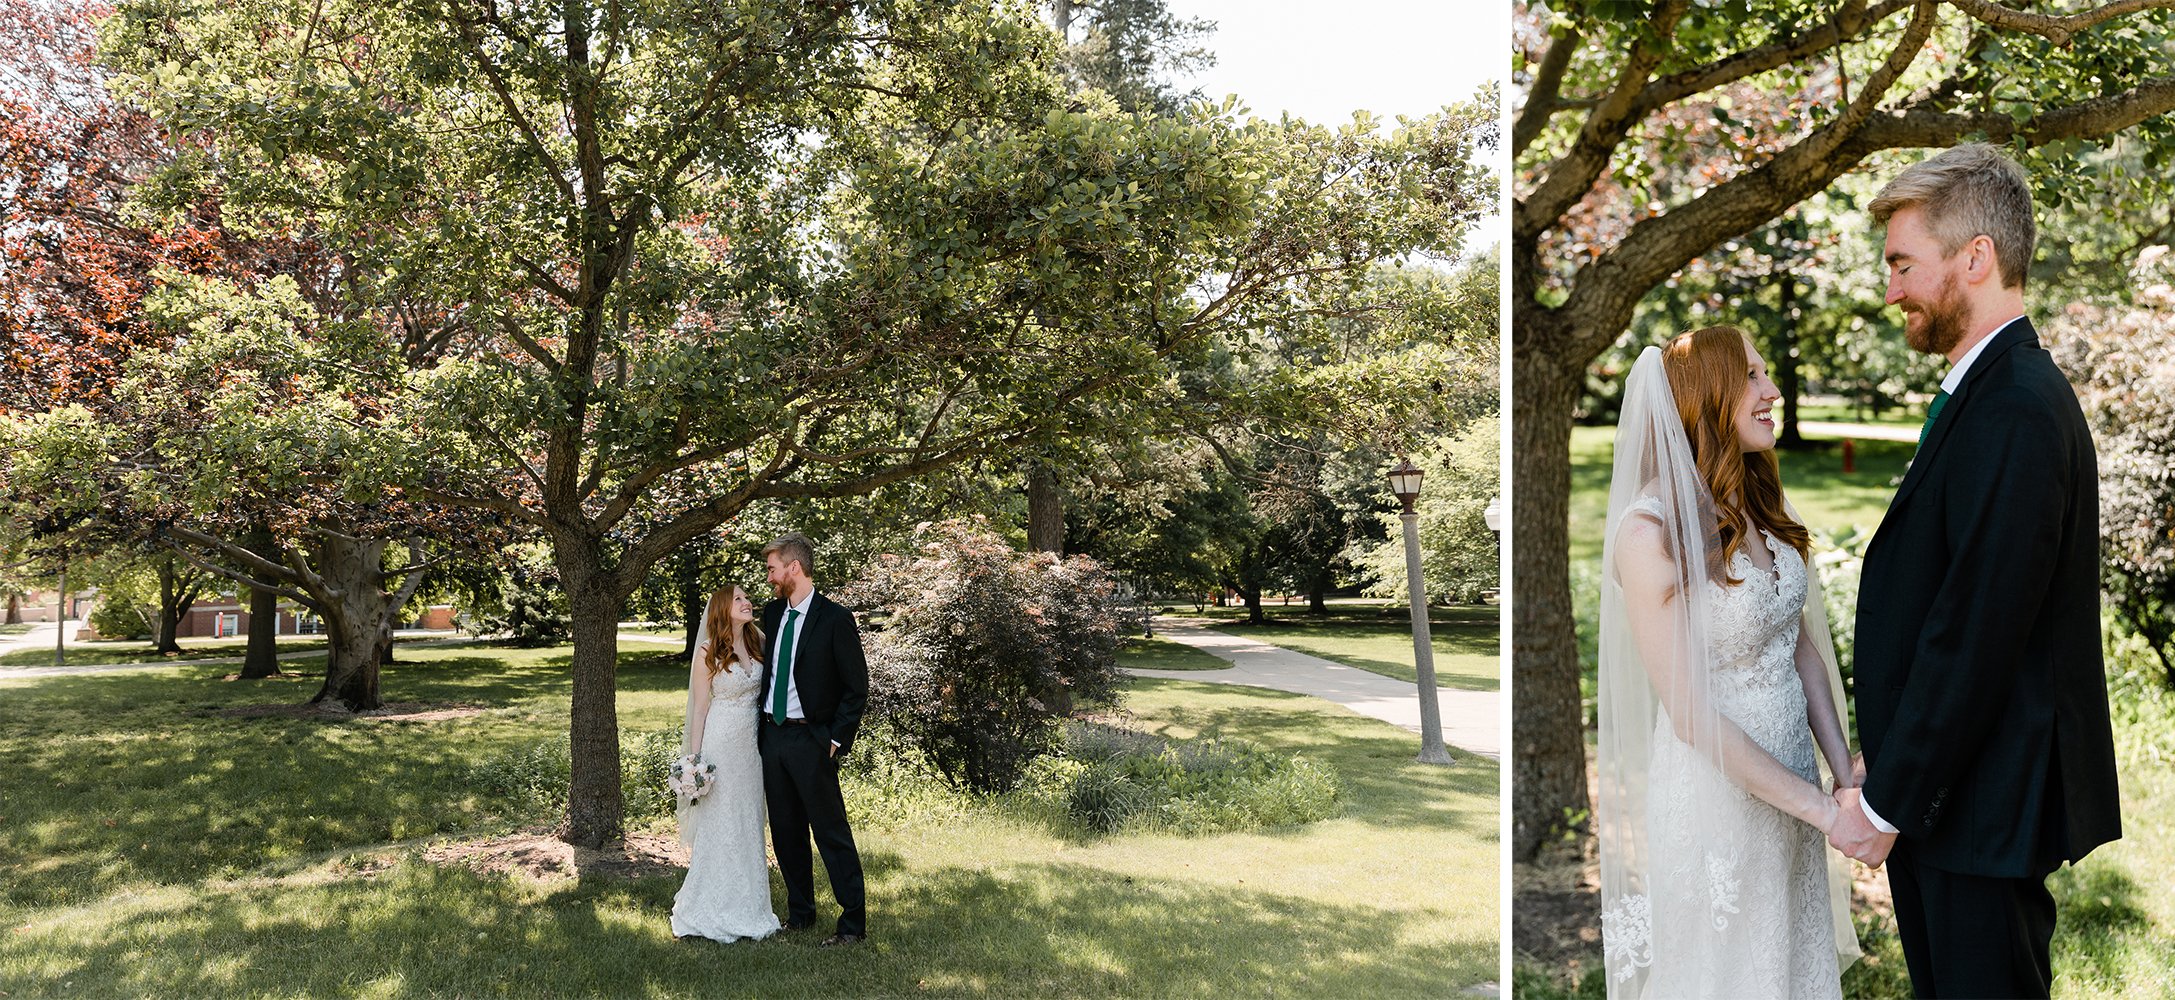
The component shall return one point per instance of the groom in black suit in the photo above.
(815, 685)
(1982, 705)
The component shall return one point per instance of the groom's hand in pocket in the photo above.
(1854, 834)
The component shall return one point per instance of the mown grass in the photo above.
(1377, 637)
(150, 845)
(1163, 654)
(140, 651)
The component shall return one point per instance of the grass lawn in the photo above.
(1163, 654)
(151, 845)
(1377, 637)
(18, 628)
(140, 651)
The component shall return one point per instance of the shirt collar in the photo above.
(1955, 379)
(802, 607)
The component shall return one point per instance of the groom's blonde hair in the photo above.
(1967, 191)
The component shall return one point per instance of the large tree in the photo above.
(1606, 86)
(713, 254)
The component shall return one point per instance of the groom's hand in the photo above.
(1855, 835)
(1857, 770)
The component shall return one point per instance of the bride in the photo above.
(1719, 698)
(726, 895)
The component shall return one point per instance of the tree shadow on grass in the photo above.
(1029, 929)
(1379, 782)
(2103, 926)
(103, 792)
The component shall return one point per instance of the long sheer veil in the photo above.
(1657, 484)
(697, 673)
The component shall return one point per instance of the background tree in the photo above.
(1604, 85)
(720, 256)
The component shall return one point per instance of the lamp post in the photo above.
(1405, 484)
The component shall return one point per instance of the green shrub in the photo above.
(1137, 780)
(536, 775)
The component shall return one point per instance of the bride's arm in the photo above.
(1820, 711)
(698, 696)
(1649, 578)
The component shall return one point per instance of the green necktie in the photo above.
(785, 666)
(1933, 413)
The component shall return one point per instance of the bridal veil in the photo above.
(1657, 494)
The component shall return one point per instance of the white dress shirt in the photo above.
(792, 683)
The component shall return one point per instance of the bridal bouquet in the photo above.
(690, 777)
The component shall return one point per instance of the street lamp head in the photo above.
(1494, 514)
(1405, 482)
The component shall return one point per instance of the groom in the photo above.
(815, 684)
(1989, 758)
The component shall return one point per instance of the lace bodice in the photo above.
(1753, 629)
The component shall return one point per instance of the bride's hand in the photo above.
(1829, 810)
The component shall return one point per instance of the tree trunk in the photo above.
(1252, 597)
(1318, 591)
(15, 609)
(358, 619)
(262, 659)
(1045, 510)
(595, 805)
(693, 603)
(1785, 362)
(1549, 754)
(171, 608)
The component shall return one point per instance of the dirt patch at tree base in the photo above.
(392, 711)
(545, 858)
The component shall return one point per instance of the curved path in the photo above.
(1469, 718)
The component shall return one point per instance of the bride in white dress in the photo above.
(726, 895)
(1719, 700)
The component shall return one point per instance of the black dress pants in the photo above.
(800, 784)
(1972, 936)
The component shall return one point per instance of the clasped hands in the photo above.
(1851, 832)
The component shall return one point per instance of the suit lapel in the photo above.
(2020, 332)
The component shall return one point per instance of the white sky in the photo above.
(1323, 59)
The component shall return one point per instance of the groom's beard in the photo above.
(1940, 323)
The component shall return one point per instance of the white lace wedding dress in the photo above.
(727, 892)
(1769, 897)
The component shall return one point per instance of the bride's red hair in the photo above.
(720, 656)
(1706, 369)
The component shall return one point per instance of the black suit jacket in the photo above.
(829, 668)
(1982, 702)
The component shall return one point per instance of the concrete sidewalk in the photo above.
(1469, 718)
(1864, 432)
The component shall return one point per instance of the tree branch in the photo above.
(1574, 173)
(1544, 98)
(2060, 30)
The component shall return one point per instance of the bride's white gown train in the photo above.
(726, 896)
(1768, 897)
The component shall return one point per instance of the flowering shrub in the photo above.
(2122, 360)
(977, 651)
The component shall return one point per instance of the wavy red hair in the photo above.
(720, 656)
(1706, 369)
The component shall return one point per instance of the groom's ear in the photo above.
(1983, 263)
